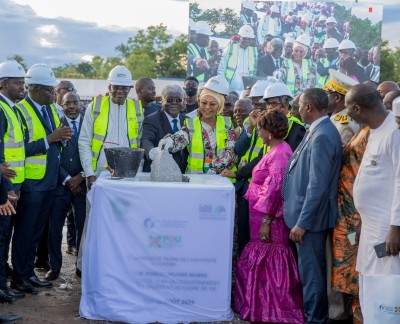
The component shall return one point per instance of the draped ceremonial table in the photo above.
(159, 251)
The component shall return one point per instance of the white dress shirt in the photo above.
(170, 118)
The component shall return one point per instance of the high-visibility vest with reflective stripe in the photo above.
(292, 119)
(233, 55)
(100, 113)
(35, 166)
(196, 145)
(14, 149)
(291, 78)
(192, 48)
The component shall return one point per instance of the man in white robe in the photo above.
(377, 185)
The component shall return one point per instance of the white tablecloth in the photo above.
(159, 251)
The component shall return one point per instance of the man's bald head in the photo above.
(386, 87)
(390, 96)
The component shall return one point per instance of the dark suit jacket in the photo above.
(266, 65)
(38, 147)
(312, 182)
(70, 161)
(155, 127)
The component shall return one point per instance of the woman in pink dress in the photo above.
(268, 287)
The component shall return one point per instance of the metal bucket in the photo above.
(124, 161)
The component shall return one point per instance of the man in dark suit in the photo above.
(71, 188)
(271, 61)
(166, 121)
(310, 199)
(42, 135)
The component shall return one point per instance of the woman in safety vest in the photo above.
(209, 138)
(300, 72)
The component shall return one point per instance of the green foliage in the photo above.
(341, 13)
(150, 53)
(364, 34)
(223, 22)
(19, 59)
(390, 63)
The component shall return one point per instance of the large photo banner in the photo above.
(294, 42)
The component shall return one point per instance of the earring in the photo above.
(269, 137)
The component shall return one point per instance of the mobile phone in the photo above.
(380, 250)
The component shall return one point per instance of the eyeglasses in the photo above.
(69, 89)
(171, 100)
(273, 104)
(69, 103)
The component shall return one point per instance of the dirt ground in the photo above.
(59, 304)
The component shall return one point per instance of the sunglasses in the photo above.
(171, 100)
(69, 89)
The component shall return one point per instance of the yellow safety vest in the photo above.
(192, 49)
(35, 166)
(100, 113)
(14, 148)
(196, 145)
(233, 51)
(291, 77)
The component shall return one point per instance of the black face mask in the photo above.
(191, 91)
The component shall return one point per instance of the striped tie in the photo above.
(294, 155)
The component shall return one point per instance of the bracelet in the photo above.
(266, 221)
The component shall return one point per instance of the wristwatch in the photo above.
(266, 221)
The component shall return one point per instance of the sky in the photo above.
(73, 31)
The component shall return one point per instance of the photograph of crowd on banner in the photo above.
(293, 42)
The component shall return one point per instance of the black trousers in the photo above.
(4, 231)
(243, 216)
(61, 207)
(33, 212)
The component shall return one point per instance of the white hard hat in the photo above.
(396, 107)
(258, 89)
(331, 43)
(41, 74)
(346, 44)
(331, 20)
(120, 76)
(218, 84)
(246, 31)
(304, 39)
(307, 17)
(276, 90)
(249, 5)
(11, 69)
(289, 40)
(202, 27)
(274, 8)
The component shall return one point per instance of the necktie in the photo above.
(277, 63)
(73, 122)
(46, 117)
(175, 127)
(294, 155)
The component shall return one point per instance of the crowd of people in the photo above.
(296, 42)
(316, 175)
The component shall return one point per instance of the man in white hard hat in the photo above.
(198, 55)
(248, 15)
(12, 159)
(106, 124)
(270, 24)
(239, 59)
(43, 135)
(330, 62)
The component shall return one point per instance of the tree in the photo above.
(390, 67)
(19, 59)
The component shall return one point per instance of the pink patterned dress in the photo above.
(268, 287)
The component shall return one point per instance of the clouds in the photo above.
(55, 41)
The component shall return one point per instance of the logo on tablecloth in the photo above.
(392, 310)
(212, 212)
(166, 241)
